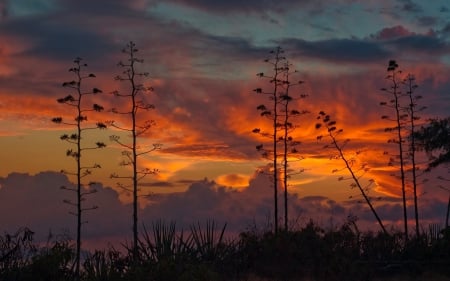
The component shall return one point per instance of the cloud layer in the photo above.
(203, 57)
(36, 201)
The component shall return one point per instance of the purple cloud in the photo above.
(36, 202)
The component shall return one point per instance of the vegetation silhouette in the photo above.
(435, 137)
(405, 103)
(281, 114)
(290, 145)
(82, 171)
(333, 132)
(167, 253)
(272, 113)
(395, 94)
(412, 109)
(132, 153)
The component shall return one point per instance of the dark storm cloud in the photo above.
(249, 6)
(428, 20)
(409, 6)
(385, 44)
(74, 28)
(403, 40)
(232, 47)
(446, 29)
(444, 9)
(67, 42)
(91, 9)
(338, 50)
(420, 44)
(52, 38)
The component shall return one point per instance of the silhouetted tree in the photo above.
(412, 109)
(272, 113)
(333, 132)
(447, 213)
(435, 137)
(287, 115)
(283, 145)
(400, 118)
(81, 124)
(136, 103)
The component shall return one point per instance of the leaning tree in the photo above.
(350, 162)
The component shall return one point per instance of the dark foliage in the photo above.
(435, 137)
(310, 252)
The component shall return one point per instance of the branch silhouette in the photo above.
(333, 132)
(76, 101)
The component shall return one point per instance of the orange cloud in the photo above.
(233, 180)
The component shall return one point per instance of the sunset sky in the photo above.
(203, 57)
